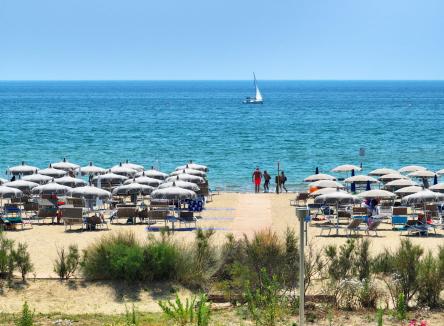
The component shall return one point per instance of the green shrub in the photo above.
(66, 264)
(26, 318)
(203, 311)
(131, 316)
(380, 317)
(430, 282)
(401, 307)
(160, 260)
(22, 260)
(6, 260)
(177, 311)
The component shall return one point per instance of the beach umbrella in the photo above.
(409, 190)
(422, 197)
(109, 177)
(152, 174)
(440, 172)
(382, 171)
(324, 191)
(435, 179)
(353, 187)
(368, 186)
(325, 184)
(319, 176)
(22, 185)
(122, 170)
(377, 194)
(189, 171)
(186, 177)
(346, 168)
(91, 169)
(173, 193)
(317, 170)
(65, 165)
(422, 174)
(51, 188)
(361, 179)
(353, 173)
(22, 169)
(133, 166)
(194, 166)
(411, 168)
(145, 181)
(90, 192)
(2, 181)
(400, 183)
(51, 172)
(70, 181)
(37, 178)
(8, 192)
(132, 189)
(439, 187)
(392, 176)
(181, 184)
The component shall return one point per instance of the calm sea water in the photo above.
(303, 124)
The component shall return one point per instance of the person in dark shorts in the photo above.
(267, 179)
(283, 180)
(257, 178)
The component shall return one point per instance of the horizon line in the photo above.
(209, 80)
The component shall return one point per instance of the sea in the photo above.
(301, 125)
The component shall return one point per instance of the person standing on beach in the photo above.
(257, 178)
(283, 179)
(267, 179)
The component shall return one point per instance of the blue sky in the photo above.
(221, 39)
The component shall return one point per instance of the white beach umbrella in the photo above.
(22, 169)
(91, 169)
(37, 178)
(319, 176)
(136, 167)
(175, 193)
(152, 174)
(189, 171)
(2, 181)
(440, 172)
(194, 166)
(377, 194)
(392, 176)
(51, 172)
(110, 177)
(8, 192)
(422, 174)
(422, 197)
(90, 192)
(361, 179)
(382, 171)
(23, 185)
(70, 181)
(411, 168)
(51, 188)
(337, 198)
(346, 168)
(439, 187)
(409, 190)
(65, 165)
(324, 191)
(122, 170)
(181, 184)
(186, 177)
(145, 181)
(325, 184)
(133, 189)
(400, 183)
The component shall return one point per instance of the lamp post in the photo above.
(301, 214)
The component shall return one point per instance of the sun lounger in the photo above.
(187, 217)
(30, 209)
(400, 219)
(72, 216)
(155, 216)
(300, 199)
(372, 227)
(95, 221)
(128, 213)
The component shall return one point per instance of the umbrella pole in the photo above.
(337, 218)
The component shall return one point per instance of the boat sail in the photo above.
(258, 98)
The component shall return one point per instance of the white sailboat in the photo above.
(258, 98)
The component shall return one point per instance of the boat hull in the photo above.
(253, 102)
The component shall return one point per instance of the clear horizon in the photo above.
(201, 40)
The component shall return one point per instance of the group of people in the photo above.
(258, 176)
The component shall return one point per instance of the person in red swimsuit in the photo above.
(257, 178)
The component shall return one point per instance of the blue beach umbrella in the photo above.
(435, 179)
(353, 187)
(368, 187)
(317, 170)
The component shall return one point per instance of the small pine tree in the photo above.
(26, 318)
(22, 260)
